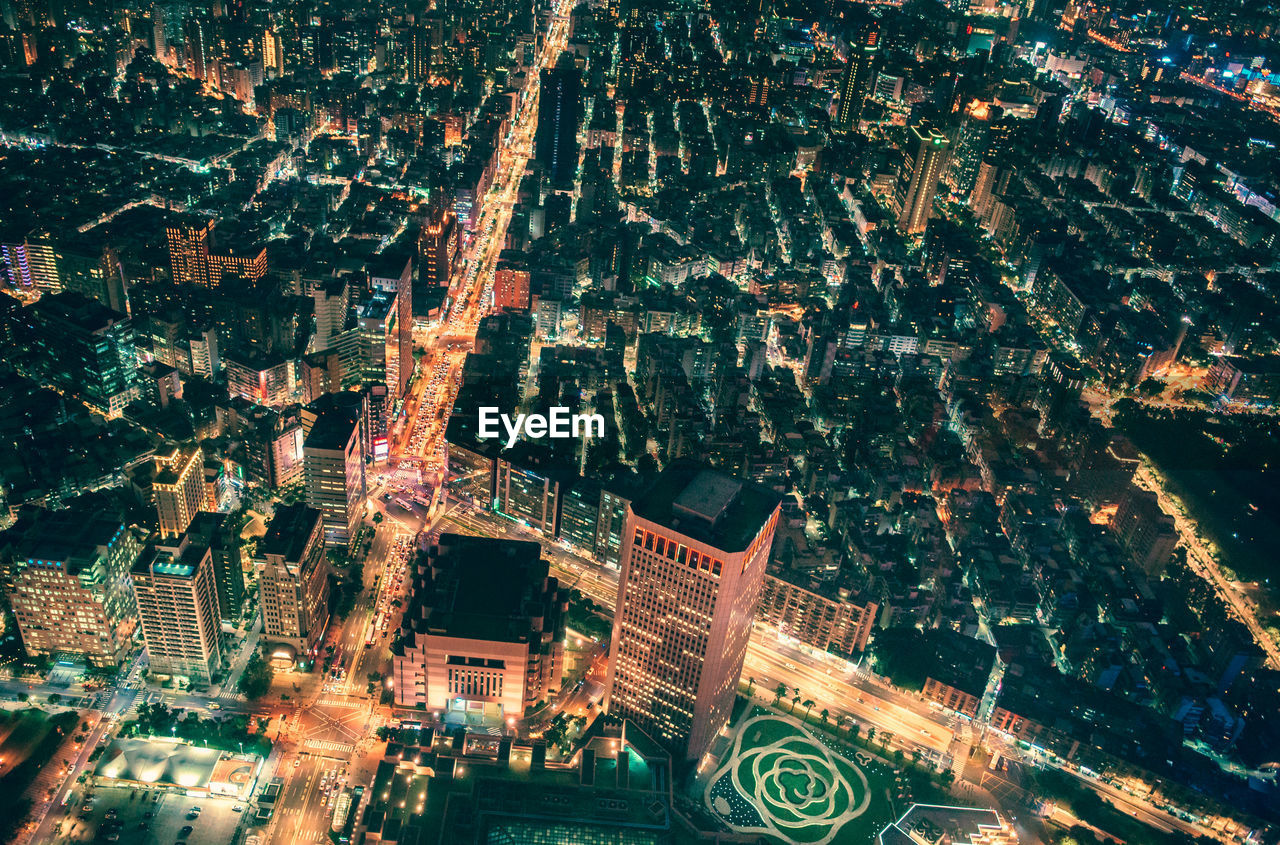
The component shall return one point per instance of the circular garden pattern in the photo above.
(777, 779)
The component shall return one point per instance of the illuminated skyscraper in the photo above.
(189, 252)
(693, 559)
(859, 77)
(178, 608)
(195, 32)
(922, 164)
(178, 489)
(84, 348)
(438, 246)
(71, 593)
(293, 588)
(333, 457)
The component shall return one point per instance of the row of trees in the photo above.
(852, 732)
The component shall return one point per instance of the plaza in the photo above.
(780, 780)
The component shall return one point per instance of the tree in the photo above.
(808, 705)
(824, 714)
(794, 702)
(257, 677)
(947, 778)
(871, 734)
(779, 692)
(854, 730)
(378, 517)
(751, 685)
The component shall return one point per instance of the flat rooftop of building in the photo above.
(288, 532)
(708, 506)
(934, 823)
(69, 537)
(332, 429)
(482, 590)
(85, 313)
(170, 561)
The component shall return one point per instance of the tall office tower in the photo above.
(859, 77)
(272, 53)
(333, 460)
(694, 554)
(483, 634)
(84, 348)
(195, 33)
(415, 47)
(378, 359)
(982, 133)
(159, 39)
(189, 252)
(438, 247)
(559, 113)
(923, 160)
(216, 532)
(71, 590)
(331, 300)
(394, 273)
(178, 489)
(293, 589)
(178, 610)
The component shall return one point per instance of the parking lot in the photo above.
(124, 814)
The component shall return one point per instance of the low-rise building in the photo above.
(823, 614)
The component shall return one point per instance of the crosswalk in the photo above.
(339, 702)
(326, 745)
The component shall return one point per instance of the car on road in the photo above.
(186, 830)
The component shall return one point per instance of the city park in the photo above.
(780, 779)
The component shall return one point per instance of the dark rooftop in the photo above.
(332, 429)
(69, 537)
(288, 532)
(708, 506)
(482, 589)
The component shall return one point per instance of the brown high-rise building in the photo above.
(178, 489)
(193, 261)
(177, 595)
(293, 588)
(923, 160)
(511, 288)
(439, 247)
(693, 559)
(482, 637)
(71, 593)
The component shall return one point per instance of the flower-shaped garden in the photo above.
(778, 779)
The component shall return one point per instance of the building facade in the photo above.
(333, 457)
(178, 489)
(823, 615)
(483, 634)
(696, 546)
(71, 594)
(175, 590)
(293, 580)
